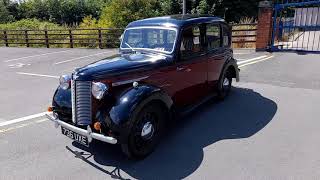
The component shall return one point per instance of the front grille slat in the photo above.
(83, 113)
(73, 101)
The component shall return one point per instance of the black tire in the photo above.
(224, 85)
(138, 146)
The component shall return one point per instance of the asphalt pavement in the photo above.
(29, 76)
(268, 127)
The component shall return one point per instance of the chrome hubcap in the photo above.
(147, 130)
(226, 82)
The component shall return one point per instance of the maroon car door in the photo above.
(190, 70)
(215, 52)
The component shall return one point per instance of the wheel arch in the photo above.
(232, 66)
(135, 99)
(232, 71)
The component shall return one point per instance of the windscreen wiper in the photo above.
(132, 49)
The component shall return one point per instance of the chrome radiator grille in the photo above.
(81, 102)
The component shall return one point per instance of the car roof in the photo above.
(176, 21)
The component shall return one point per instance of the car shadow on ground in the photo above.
(243, 114)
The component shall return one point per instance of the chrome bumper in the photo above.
(88, 133)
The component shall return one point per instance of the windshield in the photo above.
(156, 39)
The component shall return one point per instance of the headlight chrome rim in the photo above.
(64, 81)
(99, 89)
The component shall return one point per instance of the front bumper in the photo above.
(88, 133)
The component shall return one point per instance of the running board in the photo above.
(185, 111)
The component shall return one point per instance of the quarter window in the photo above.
(226, 36)
(213, 36)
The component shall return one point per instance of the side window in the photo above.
(226, 36)
(213, 36)
(191, 44)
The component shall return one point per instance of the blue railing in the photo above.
(293, 1)
(297, 4)
(296, 25)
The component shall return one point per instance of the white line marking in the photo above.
(22, 125)
(26, 118)
(69, 60)
(242, 61)
(249, 63)
(18, 65)
(17, 59)
(39, 75)
(242, 53)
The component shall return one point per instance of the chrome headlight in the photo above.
(99, 89)
(65, 81)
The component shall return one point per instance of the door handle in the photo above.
(185, 69)
(181, 68)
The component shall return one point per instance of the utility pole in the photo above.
(225, 11)
(184, 7)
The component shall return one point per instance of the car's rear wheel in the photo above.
(146, 131)
(225, 84)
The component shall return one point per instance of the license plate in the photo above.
(75, 136)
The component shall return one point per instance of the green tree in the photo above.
(59, 11)
(202, 8)
(5, 15)
(170, 7)
(121, 12)
(118, 13)
(234, 10)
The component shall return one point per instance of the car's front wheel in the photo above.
(225, 84)
(148, 126)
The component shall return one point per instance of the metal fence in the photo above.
(244, 35)
(291, 1)
(296, 26)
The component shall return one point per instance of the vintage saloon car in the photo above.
(165, 67)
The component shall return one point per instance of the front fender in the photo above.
(61, 104)
(62, 98)
(133, 98)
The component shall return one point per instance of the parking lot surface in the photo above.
(268, 128)
(30, 76)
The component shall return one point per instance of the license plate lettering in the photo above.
(80, 138)
(73, 135)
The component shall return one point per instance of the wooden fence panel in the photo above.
(243, 35)
(71, 38)
(26, 38)
(5, 38)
